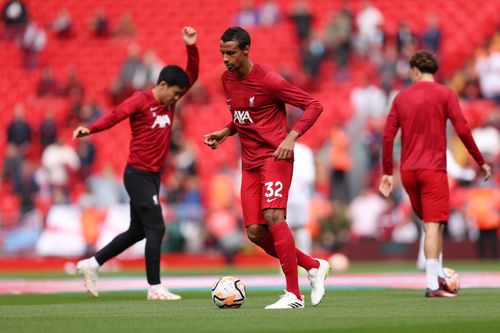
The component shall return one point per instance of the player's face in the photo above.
(232, 55)
(170, 94)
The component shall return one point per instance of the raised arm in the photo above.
(193, 64)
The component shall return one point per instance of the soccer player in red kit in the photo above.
(256, 97)
(151, 114)
(421, 112)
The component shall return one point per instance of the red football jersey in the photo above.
(257, 104)
(150, 122)
(421, 111)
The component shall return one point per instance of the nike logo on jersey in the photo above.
(242, 116)
(153, 108)
(161, 121)
(271, 200)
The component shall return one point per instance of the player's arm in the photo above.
(215, 139)
(293, 95)
(193, 64)
(460, 124)
(122, 111)
(390, 131)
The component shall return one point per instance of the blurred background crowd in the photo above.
(67, 63)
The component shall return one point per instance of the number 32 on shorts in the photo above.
(273, 189)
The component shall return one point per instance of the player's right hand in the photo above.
(386, 185)
(485, 168)
(80, 132)
(214, 139)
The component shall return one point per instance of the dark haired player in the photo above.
(256, 97)
(151, 114)
(421, 111)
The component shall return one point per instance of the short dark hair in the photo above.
(174, 76)
(236, 34)
(425, 61)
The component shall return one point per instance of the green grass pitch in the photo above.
(358, 310)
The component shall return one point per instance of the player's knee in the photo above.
(273, 216)
(255, 233)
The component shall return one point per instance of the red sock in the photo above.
(303, 260)
(285, 248)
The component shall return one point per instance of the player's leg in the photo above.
(89, 267)
(145, 198)
(435, 211)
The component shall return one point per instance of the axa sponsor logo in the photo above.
(242, 117)
(162, 121)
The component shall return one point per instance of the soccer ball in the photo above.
(451, 281)
(228, 292)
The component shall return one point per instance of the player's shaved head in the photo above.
(237, 34)
(425, 62)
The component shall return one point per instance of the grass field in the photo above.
(475, 310)
(343, 310)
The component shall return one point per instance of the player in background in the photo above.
(256, 97)
(300, 195)
(421, 112)
(151, 114)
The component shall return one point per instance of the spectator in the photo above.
(125, 27)
(369, 23)
(63, 24)
(130, 77)
(340, 165)
(48, 85)
(59, 160)
(73, 86)
(86, 152)
(247, 16)
(269, 13)
(26, 188)
(368, 100)
(15, 18)
(99, 24)
(19, 132)
(483, 210)
(302, 17)
(313, 53)
(48, 129)
(151, 68)
(366, 211)
(431, 39)
(404, 35)
(32, 43)
(338, 37)
(488, 68)
(12, 163)
(106, 189)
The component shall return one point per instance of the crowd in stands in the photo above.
(41, 167)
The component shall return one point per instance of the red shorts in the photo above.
(429, 194)
(265, 187)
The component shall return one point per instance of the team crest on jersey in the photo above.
(242, 116)
(162, 121)
(250, 101)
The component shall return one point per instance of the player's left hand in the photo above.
(386, 185)
(189, 35)
(285, 149)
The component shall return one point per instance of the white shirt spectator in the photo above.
(369, 101)
(368, 21)
(366, 211)
(56, 158)
(302, 187)
(488, 69)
